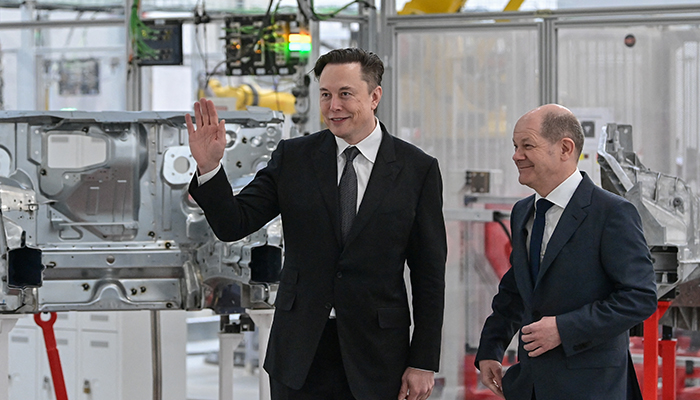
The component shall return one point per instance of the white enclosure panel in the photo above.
(24, 363)
(98, 375)
(98, 321)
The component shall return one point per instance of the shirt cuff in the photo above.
(202, 179)
(421, 369)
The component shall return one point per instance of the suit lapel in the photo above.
(326, 167)
(384, 171)
(570, 220)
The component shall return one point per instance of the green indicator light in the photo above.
(299, 42)
(302, 47)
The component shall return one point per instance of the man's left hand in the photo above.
(541, 336)
(416, 384)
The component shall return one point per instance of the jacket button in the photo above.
(329, 306)
(581, 346)
(339, 275)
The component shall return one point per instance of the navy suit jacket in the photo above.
(399, 222)
(597, 278)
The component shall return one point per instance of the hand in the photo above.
(208, 141)
(416, 384)
(491, 376)
(541, 336)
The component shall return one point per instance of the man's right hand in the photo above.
(208, 141)
(491, 375)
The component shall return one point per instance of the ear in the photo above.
(568, 149)
(376, 96)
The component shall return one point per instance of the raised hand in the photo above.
(208, 140)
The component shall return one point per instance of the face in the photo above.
(347, 104)
(541, 164)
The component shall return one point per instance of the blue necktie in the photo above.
(348, 192)
(536, 236)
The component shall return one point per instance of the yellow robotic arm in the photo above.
(432, 7)
(446, 6)
(248, 95)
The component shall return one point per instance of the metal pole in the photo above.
(26, 62)
(3, 239)
(75, 23)
(314, 123)
(369, 30)
(385, 49)
(156, 356)
(133, 72)
(548, 62)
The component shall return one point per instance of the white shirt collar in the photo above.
(565, 191)
(369, 146)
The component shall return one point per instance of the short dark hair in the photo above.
(371, 65)
(556, 126)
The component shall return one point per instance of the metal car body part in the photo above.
(103, 197)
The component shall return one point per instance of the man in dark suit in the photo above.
(575, 299)
(357, 204)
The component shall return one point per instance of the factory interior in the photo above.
(120, 267)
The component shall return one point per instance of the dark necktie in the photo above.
(348, 192)
(536, 236)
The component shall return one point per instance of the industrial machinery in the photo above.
(265, 44)
(669, 212)
(97, 216)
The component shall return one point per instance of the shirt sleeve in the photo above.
(202, 179)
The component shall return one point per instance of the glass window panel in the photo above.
(652, 85)
(81, 67)
(458, 97)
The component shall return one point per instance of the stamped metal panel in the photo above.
(104, 196)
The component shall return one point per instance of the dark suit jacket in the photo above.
(597, 278)
(400, 221)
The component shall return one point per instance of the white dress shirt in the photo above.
(560, 197)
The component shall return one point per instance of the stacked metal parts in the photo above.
(97, 216)
(669, 212)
